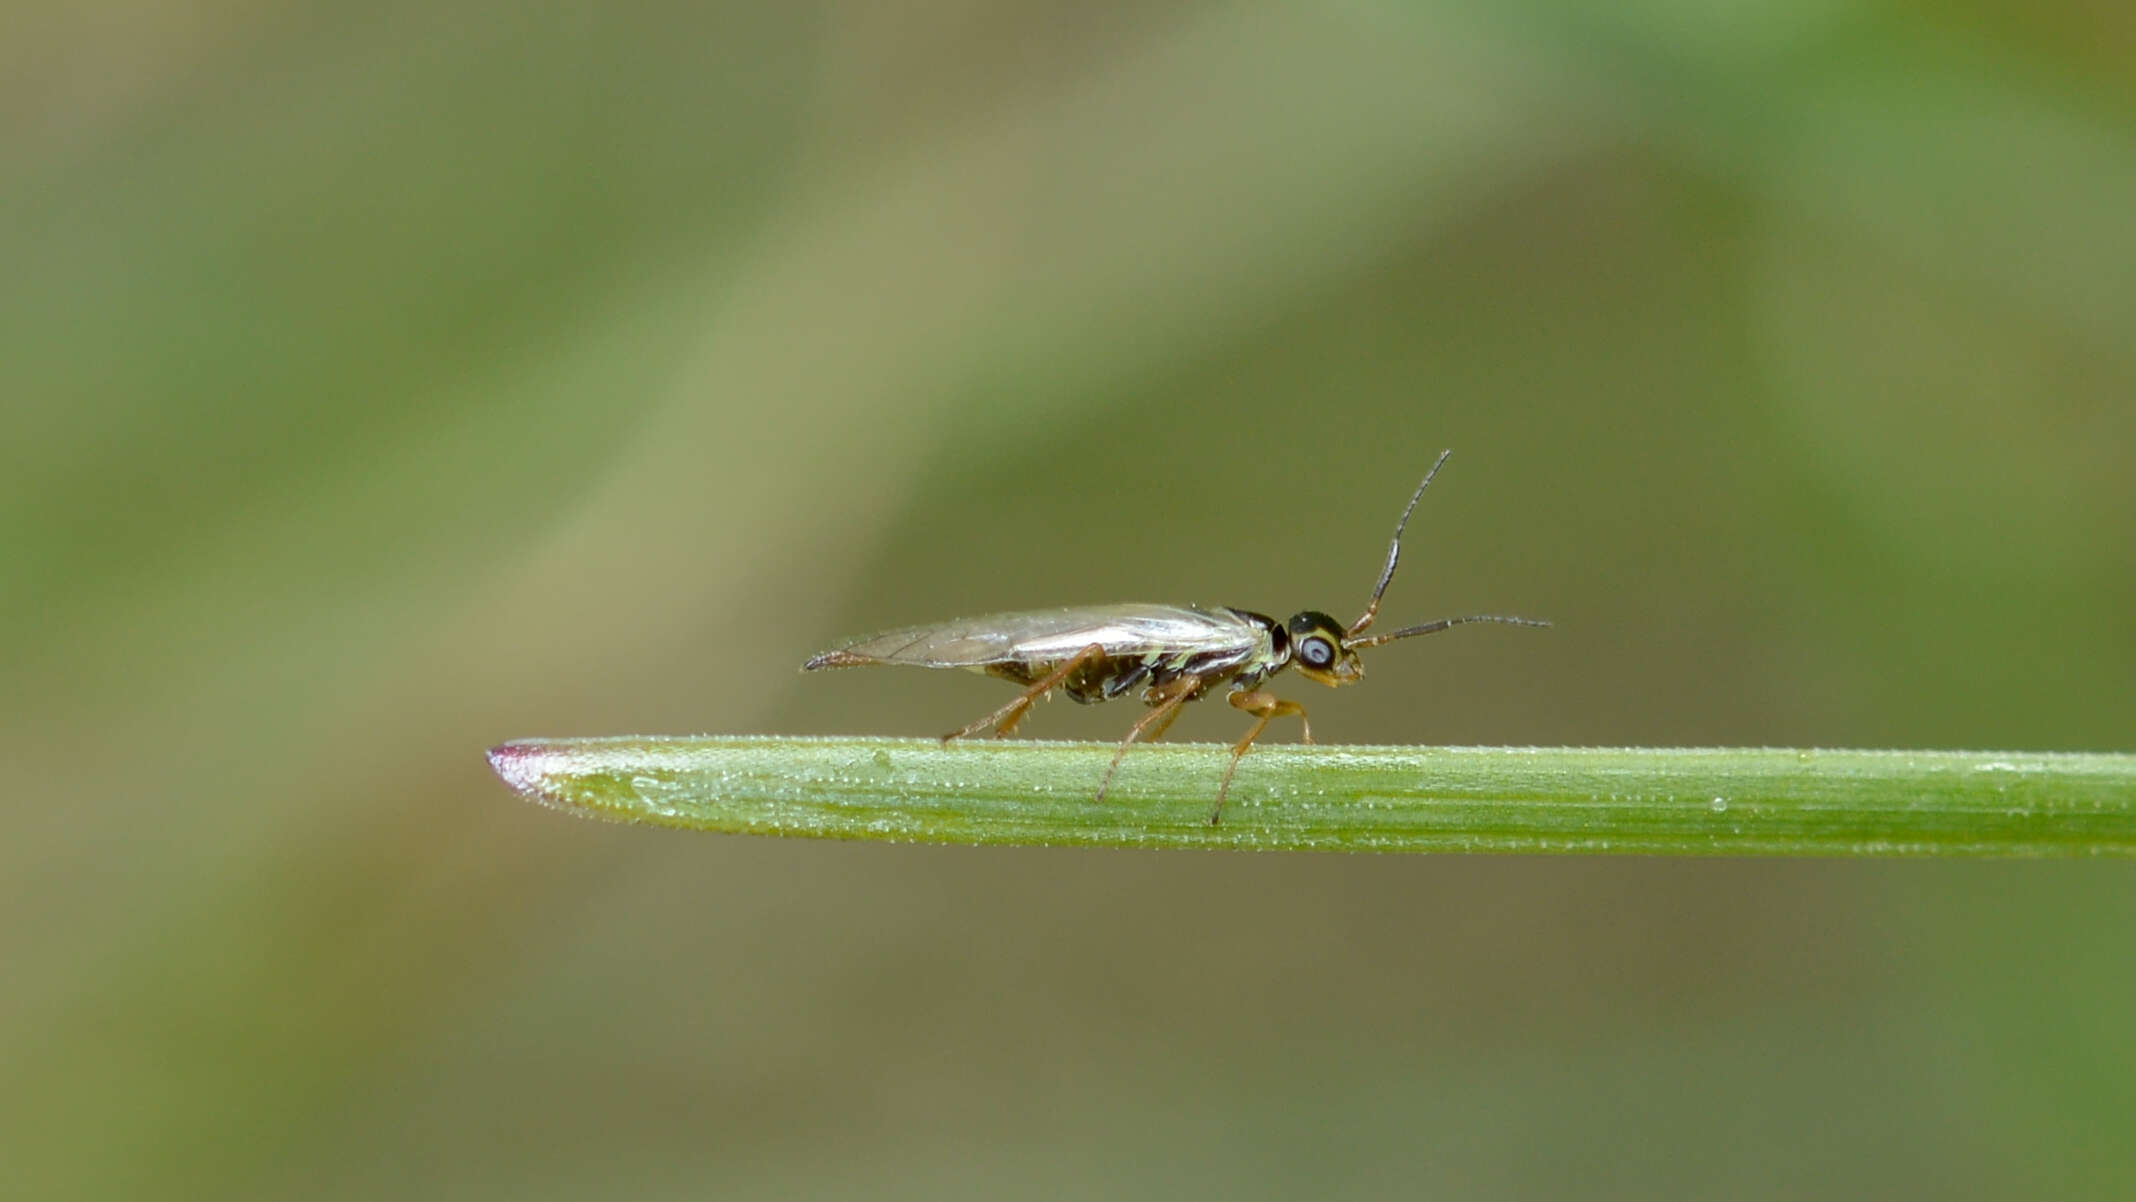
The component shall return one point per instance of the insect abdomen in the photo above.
(1101, 681)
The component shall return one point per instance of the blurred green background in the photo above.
(386, 381)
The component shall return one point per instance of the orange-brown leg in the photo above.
(1153, 724)
(1266, 708)
(1005, 719)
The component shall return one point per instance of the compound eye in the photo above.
(1317, 652)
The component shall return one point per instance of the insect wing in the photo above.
(1043, 636)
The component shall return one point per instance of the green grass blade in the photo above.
(1704, 801)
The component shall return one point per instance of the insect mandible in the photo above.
(1167, 655)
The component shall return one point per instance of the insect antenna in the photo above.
(1394, 556)
(1436, 627)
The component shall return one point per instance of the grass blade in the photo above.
(1703, 801)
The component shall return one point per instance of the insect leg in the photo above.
(1178, 693)
(1005, 719)
(1266, 708)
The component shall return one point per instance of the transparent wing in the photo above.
(1050, 635)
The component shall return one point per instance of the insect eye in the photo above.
(1316, 652)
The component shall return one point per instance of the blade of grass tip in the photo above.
(1697, 801)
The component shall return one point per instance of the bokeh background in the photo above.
(385, 381)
